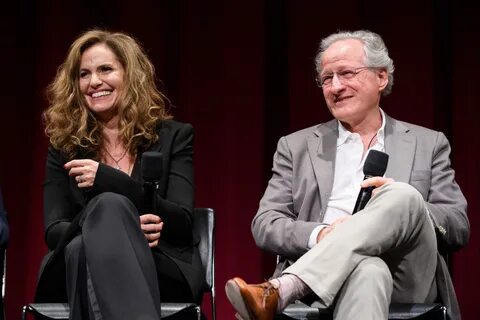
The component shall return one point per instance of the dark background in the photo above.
(242, 73)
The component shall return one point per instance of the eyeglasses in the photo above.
(342, 76)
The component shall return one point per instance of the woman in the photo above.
(115, 254)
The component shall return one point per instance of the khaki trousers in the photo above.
(385, 252)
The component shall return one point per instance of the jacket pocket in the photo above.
(421, 180)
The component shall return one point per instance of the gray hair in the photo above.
(376, 52)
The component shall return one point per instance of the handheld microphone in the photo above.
(152, 170)
(374, 166)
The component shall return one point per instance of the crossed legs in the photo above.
(366, 292)
(395, 227)
(110, 268)
(385, 252)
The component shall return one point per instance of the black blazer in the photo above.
(64, 203)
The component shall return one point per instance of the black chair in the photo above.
(204, 228)
(397, 311)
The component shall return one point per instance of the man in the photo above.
(387, 252)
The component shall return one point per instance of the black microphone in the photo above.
(374, 166)
(152, 169)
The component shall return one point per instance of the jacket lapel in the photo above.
(137, 166)
(322, 146)
(400, 145)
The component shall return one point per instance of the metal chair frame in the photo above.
(397, 311)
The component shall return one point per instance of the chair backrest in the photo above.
(204, 229)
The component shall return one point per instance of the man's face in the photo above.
(351, 91)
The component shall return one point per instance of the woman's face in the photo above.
(101, 80)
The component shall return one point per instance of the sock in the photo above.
(290, 288)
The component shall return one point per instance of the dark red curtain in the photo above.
(242, 73)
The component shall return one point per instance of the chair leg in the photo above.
(444, 311)
(214, 308)
(199, 312)
(24, 313)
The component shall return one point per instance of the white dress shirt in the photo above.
(348, 175)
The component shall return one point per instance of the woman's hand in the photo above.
(84, 171)
(152, 226)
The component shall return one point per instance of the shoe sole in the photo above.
(235, 297)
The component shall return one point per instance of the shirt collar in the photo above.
(344, 134)
(381, 131)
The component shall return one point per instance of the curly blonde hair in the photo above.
(72, 127)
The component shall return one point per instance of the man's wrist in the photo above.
(312, 241)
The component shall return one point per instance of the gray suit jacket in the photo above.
(296, 198)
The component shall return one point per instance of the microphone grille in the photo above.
(376, 163)
(152, 166)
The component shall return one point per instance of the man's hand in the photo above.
(375, 182)
(325, 231)
(84, 171)
(370, 182)
(152, 226)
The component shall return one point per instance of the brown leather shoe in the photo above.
(252, 301)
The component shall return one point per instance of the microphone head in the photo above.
(152, 166)
(376, 164)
